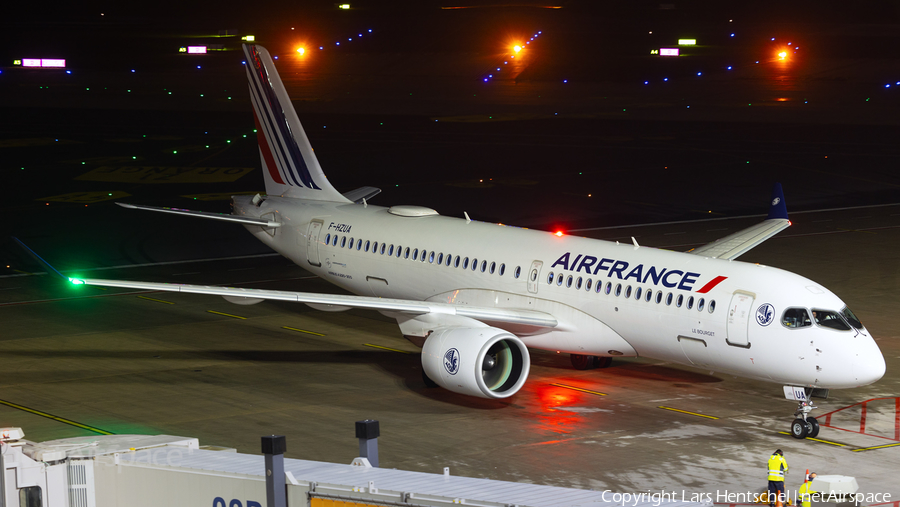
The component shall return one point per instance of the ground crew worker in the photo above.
(805, 491)
(777, 468)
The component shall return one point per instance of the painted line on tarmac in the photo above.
(302, 330)
(55, 418)
(386, 348)
(876, 447)
(227, 315)
(564, 386)
(157, 300)
(829, 442)
(686, 412)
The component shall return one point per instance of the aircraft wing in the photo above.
(734, 245)
(342, 302)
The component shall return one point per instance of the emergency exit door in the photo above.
(533, 274)
(312, 242)
(739, 319)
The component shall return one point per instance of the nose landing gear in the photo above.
(804, 425)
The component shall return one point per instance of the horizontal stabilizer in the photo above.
(205, 214)
(361, 193)
(489, 314)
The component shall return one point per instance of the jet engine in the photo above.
(485, 362)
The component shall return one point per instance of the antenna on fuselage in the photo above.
(636, 246)
(467, 217)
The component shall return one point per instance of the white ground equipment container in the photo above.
(164, 470)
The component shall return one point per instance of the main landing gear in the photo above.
(584, 362)
(804, 425)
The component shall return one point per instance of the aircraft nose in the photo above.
(869, 367)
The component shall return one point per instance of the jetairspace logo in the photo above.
(670, 278)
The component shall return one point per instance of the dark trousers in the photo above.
(776, 488)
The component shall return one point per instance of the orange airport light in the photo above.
(782, 55)
(301, 50)
(517, 48)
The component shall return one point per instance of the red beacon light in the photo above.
(558, 233)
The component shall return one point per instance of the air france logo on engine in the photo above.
(451, 361)
(670, 278)
(765, 314)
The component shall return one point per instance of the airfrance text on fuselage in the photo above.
(674, 278)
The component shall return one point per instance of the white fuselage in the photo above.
(711, 313)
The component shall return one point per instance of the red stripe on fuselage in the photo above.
(712, 283)
(266, 151)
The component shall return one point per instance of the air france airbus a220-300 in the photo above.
(477, 295)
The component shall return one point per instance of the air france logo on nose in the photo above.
(451, 361)
(765, 314)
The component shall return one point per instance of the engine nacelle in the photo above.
(485, 361)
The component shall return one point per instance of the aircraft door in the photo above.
(312, 242)
(739, 320)
(533, 275)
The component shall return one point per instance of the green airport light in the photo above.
(76, 281)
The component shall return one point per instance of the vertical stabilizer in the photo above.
(289, 164)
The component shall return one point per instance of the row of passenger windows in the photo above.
(628, 291)
(419, 255)
(457, 261)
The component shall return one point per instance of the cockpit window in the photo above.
(796, 318)
(851, 318)
(827, 318)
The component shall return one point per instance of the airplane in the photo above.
(476, 296)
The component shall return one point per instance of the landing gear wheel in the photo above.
(799, 428)
(602, 362)
(428, 382)
(582, 362)
(812, 425)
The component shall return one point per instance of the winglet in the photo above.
(50, 269)
(777, 208)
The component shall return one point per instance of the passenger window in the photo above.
(649, 295)
(334, 240)
(669, 299)
(383, 248)
(406, 253)
(637, 294)
(578, 283)
(391, 251)
(493, 267)
(559, 280)
(700, 304)
(343, 241)
(367, 245)
(424, 255)
(712, 305)
(466, 263)
(608, 288)
(449, 258)
(474, 264)
(658, 297)
(679, 300)
(628, 292)
(690, 303)
(550, 277)
(587, 284)
(483, 266)
(358, 244)
(328, 239)
(431, 258)
(569, 282)
(415, 254)
(796, 318)
(618, 289)
(456, 262)
(599, 287)
(374, 247)
(502, 269)
(827, 318)
(440, 258)
(516, 273)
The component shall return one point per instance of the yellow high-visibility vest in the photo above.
(805, 494)
(777, 467)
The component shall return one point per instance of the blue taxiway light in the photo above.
(490, 75)
(198, 66)
(699, 73)
(887, 85)
(646, 82)
(243, 62)
(485, 80)
(320, 47)
(732, 35)
(68, 72)
(132, 70)
(370, 30)
(773, 38)
(338, 43)
(665, 79)
(565, 80)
